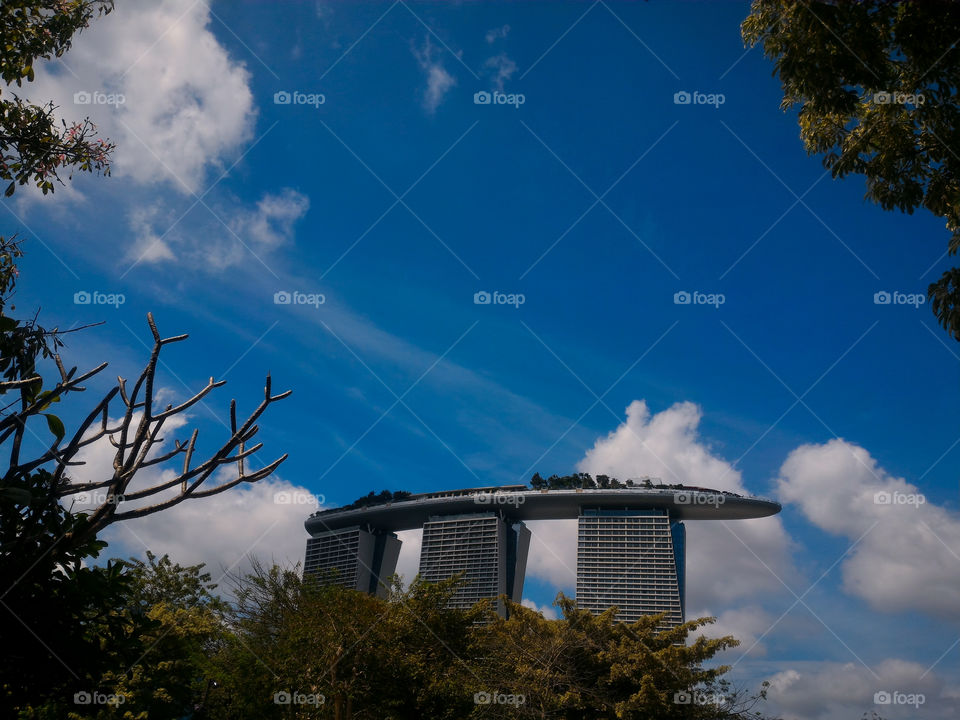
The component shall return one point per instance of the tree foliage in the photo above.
(348, 655)
(34, 145)
(68, 625)
(876, 85)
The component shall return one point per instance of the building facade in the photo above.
(357, 558)
(633, 559)
(630, 550)
(490, 551)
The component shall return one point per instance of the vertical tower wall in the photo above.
(357, 558)
(628, 558)
(489, 551)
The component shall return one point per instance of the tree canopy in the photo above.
(33, 145)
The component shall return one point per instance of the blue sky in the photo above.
(598, 199)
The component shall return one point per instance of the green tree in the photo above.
(586, 666)
(876, 83)
(302, 650)
(409, 656)
(33, 145)
(186, 622)
(63, 620)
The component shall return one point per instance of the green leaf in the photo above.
(10, 188)
(56, 426)
(20, 496)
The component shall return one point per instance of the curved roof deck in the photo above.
(518, 503)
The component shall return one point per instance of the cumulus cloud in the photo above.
(548, 611)
(186, 102)
(748, 624)
(263, 519)
(727, 561)
(553, 552)
(839, 691)
(226, 530)
(408, 564)
(439, 80)
(907, 550)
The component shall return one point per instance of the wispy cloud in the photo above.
(500, 68)
(497, 33)
(439, 80)
(262, 228)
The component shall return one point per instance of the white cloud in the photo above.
(187, 103)
(408, 564)
(840, 691)
(439, 81)
(906, 554)
(260, 229)
(553, 552)
(497, 33)
(747, 624)
(727, 561)
(548, 611)
(271, 223)
(501, 68)
(149, 246)
(223, 531)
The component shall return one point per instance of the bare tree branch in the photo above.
(134, 436)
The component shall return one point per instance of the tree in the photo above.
(179, 622)
(303, 650)
(876, 86)
(44, 544)
(591, 666)
(349, 655)
(62, 619)
(32, 146)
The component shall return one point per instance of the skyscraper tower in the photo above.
(353, 557)
(490, 551)
(633, 559)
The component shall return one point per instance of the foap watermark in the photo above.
(98, 97)
(498, 498)
(883, 697)
(97, 497)
(499, 98)
(682, 97)
(95, 297)
(499, 698)
(885, 497)
(694, 697)
(284, 697)
(694, 497)
(898, 98)
(498, 298)
(297, 497)
(295, 97)
(882, 297)
(295, 297)
(698, 298)
(98, 698)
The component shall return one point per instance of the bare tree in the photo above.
(134, 436)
